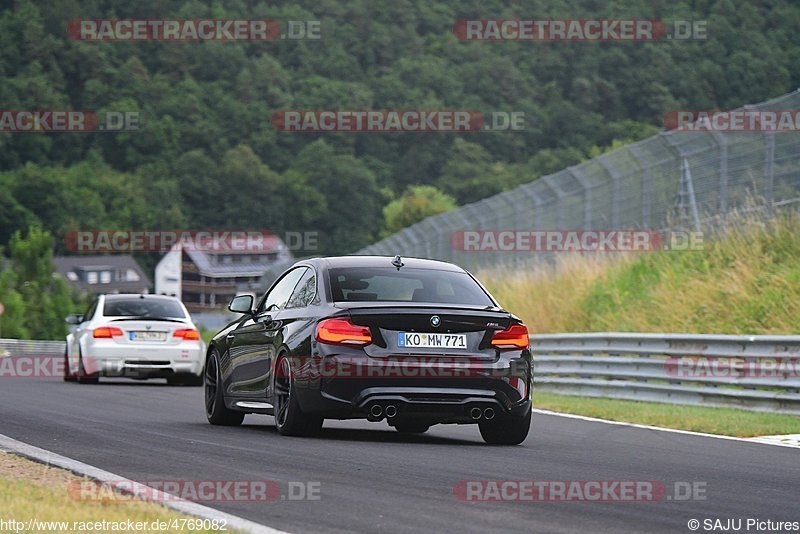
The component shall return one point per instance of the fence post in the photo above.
(769, 171)
(406, 243)
(427, 241)
(470, 215)
(548, 180)
(647, 186)
(587, 196)
(508, 198)
(537, 205)
(689, 185)
(464, 225)
(612, 171)
(449, 219)
(723, 172)
(685, 186)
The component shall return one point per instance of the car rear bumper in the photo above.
(149, 362)
(437, 404)
(441, 398)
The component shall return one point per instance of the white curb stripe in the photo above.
(144, 492)
(752, 441)
(788, 440)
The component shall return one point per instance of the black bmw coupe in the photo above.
(415, 342)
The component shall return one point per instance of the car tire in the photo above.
(83, 376)
(506, 430)
(68, 376)
(216, 411)
(289, 417)
(185, 380)
(410, 427)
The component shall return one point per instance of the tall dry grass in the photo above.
(747, 281)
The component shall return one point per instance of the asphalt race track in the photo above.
(374, 479)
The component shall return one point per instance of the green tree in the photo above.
(416, 203)
(351, 216)
(39, 300)
(201, 103)
(470, 174)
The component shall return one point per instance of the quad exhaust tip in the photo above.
(391, 410)
(475, 413)
(488, 413)
(376, 411)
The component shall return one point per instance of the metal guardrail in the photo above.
(760, 373)
(31, 347)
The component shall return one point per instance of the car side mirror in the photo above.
(241, 304)
(74, 319)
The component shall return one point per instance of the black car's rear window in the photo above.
(387, 284)
(142, 307)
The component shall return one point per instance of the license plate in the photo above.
(431, 341)
(148, 336)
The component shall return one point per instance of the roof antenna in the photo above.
(397, 262)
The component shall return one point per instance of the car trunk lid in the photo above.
(450, 331)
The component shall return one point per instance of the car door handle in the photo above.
(230, 336)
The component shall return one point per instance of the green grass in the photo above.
(32, 491)
(722, 421)
(745, 282)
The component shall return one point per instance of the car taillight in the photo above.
(513, 337)
(343, 332)
(106, 332)
(187, 334)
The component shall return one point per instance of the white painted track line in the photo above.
(752, 441)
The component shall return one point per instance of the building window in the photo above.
(91, 277)
(105, 277)
(127, 275)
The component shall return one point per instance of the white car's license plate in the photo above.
(431, 341)
(148, 336)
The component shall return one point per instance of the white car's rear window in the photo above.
(143, 307)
